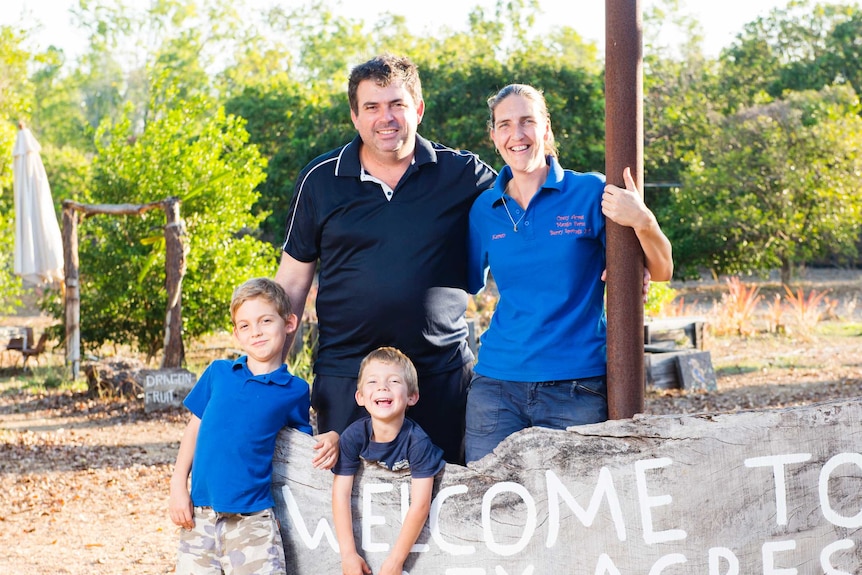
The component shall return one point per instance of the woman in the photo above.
(541, 232)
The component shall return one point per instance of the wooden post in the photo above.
(175, 269)
(624, 148)
(175, 264)
(72, 289)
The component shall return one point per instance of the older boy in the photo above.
(387, 386)
(238, 407)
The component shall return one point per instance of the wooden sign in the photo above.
(696, 372)
(165, 387)
(774, 492)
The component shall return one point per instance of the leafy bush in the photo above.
(805, 311)
(659, 298)
(201, 156)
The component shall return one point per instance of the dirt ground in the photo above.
(85, 481)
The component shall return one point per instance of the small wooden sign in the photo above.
(696, 372)
(165, 387)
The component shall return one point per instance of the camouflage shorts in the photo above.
(231, 543)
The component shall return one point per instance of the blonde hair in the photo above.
(392, 355)
(261, 288)
(528, 92)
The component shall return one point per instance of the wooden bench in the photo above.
(19, 338)
(691, 327)
(35, 350)
(668, 366)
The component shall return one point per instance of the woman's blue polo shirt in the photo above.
(241, 415)
(549, 323)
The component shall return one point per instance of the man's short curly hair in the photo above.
(383, 70)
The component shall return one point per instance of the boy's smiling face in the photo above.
(383, 391)
(261, 332)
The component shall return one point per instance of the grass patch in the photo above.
(38, 380)
(735, 370)
(840, 329)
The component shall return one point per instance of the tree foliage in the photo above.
(15, 94)
(222, 106)
(798, 47)
(201, 156)
(776, 186)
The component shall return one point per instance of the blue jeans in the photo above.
(497, 409)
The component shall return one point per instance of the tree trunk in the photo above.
(175, 269)
(786, 271)
(72, 290)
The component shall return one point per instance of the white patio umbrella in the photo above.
(38, 243)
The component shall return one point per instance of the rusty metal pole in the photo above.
(625, 261)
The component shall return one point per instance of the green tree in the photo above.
(290, 125)
(776, 186)
(58, 117)
(15, 93)
(799, 47)
(202, 156)
(680, 99)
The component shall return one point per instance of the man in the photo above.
(386, 217)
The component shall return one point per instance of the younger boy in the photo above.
(238, 408)
(387, 386)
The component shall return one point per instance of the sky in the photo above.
(721, 20)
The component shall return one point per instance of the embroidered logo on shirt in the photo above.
(574, 224)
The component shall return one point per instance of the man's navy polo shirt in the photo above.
(392, 271)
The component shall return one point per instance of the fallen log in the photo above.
(772, 492)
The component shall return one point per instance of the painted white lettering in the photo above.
(769, 550)
(777, 462)
(604, 488)
(716, 554)
(369, 520)
(605, 566)
(646, 503)
(159, 396)
(823, 488)
(434, 522)
(667, 561)
(324, 529)
(529, 524)
(826, 557)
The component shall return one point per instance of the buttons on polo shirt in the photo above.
(388, 194)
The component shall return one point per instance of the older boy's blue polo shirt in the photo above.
(241, 415)
(549, 323)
